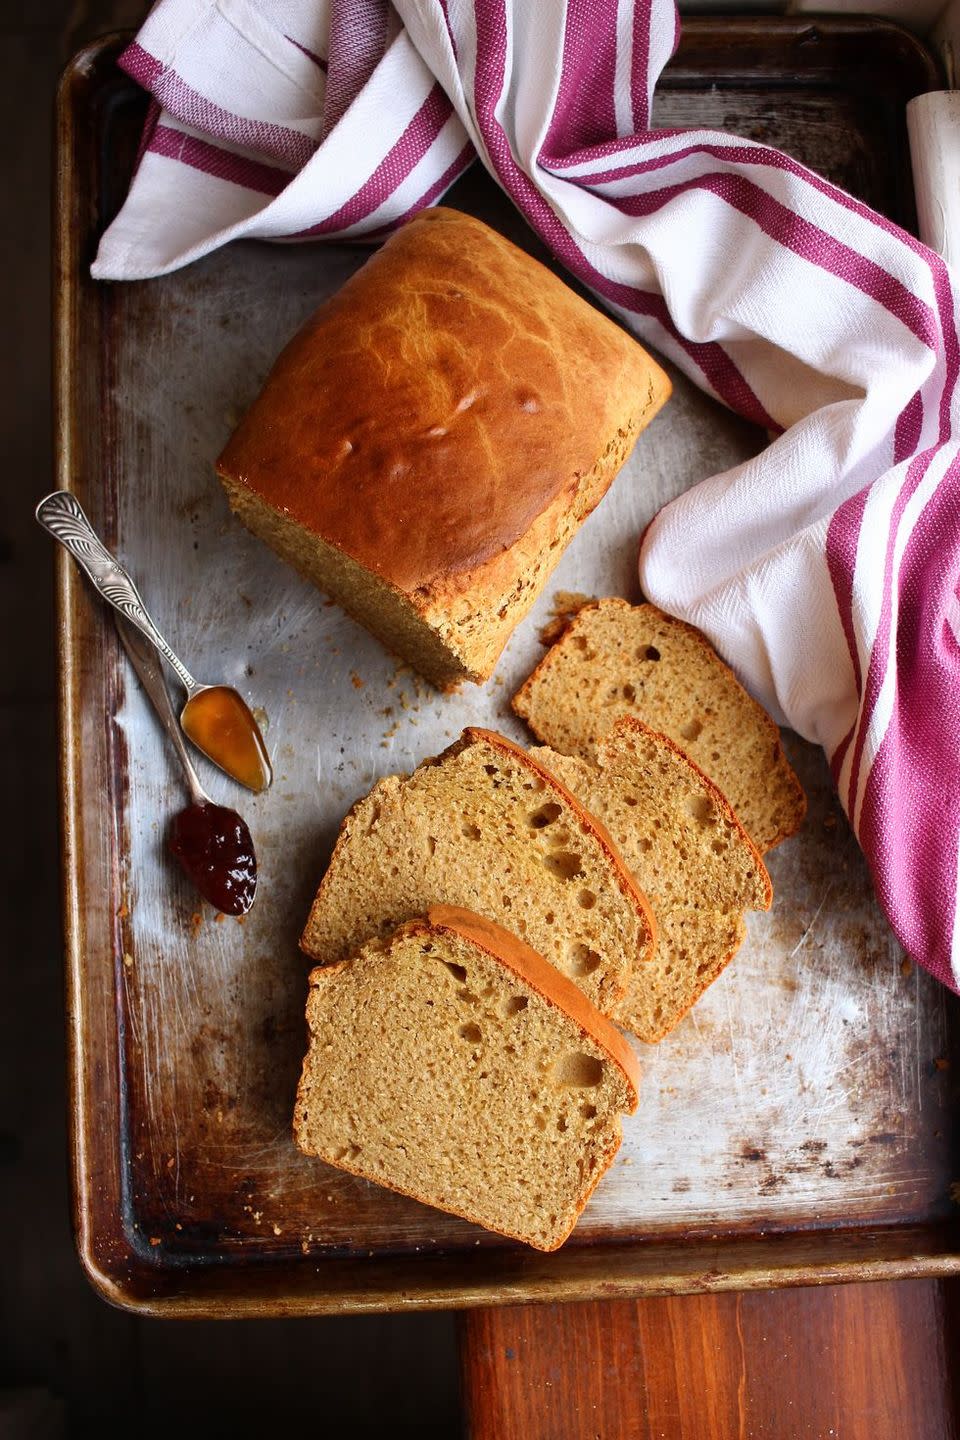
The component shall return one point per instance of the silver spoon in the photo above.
(211, 842)
(215, 717)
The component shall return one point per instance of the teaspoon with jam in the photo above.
(216, 717)
(211, 842)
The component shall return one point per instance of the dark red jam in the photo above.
(214, 847)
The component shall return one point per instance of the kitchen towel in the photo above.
(825, 570)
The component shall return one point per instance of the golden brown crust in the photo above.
(544, 978)
(624, 876)
(386, 398)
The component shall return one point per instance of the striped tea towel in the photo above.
(825, 570)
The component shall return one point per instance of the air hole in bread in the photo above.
(431, 845)
(550, 918)
(515, 1003)
(703, 967)
(349, 1152)
(535, 784)
(491, 770)
(583, 960)
(457, 971)
(580, 641)
(426, 949)
(562, 1124)
(586, 899)
(650, 653)
(700, 809)
(545, 816)
(470, 831)
(643, 844)
(375, 813)
(629, 693)
(589, 1112)
(579, 1071)
(658, 1014)
(471, 1033)
(563, 863)
(692, 729)
(718, 847)
(507, 902)
(630, 800)
(394, 869)
(540, 1121)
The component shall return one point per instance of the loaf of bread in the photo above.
(486, 827)
(618, 659)
(688, 852)
(450, 1062)
(431, 440)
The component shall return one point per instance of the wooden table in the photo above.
(854, 1362)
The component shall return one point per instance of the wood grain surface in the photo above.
(852, 1362)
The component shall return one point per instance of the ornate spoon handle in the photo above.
(62, 516)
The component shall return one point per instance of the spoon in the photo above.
(211, 842)
(216, 717)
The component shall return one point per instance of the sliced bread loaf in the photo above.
(485, 826)
(452, 1063)
(619, 659)
(688, 852)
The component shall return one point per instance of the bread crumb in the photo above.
(219, 917)
(277, 1230)
(257, 1216)
(356, 681)
(240, 919)
(906, 968)
(124, 910)
(196, 920)
(941, 1063)
(127, 960)
(178, 1226)
(565, 605)
(155, 1240)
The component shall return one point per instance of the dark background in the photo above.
(68, 1363)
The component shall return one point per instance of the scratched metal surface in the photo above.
(803, 1090)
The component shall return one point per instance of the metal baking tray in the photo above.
(799, 1126)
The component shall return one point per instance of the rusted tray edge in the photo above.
(119, 1269)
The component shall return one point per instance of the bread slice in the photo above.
(433, 438)
(619, 659)
(485, 826)
(452, 1063)
(688, 852)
